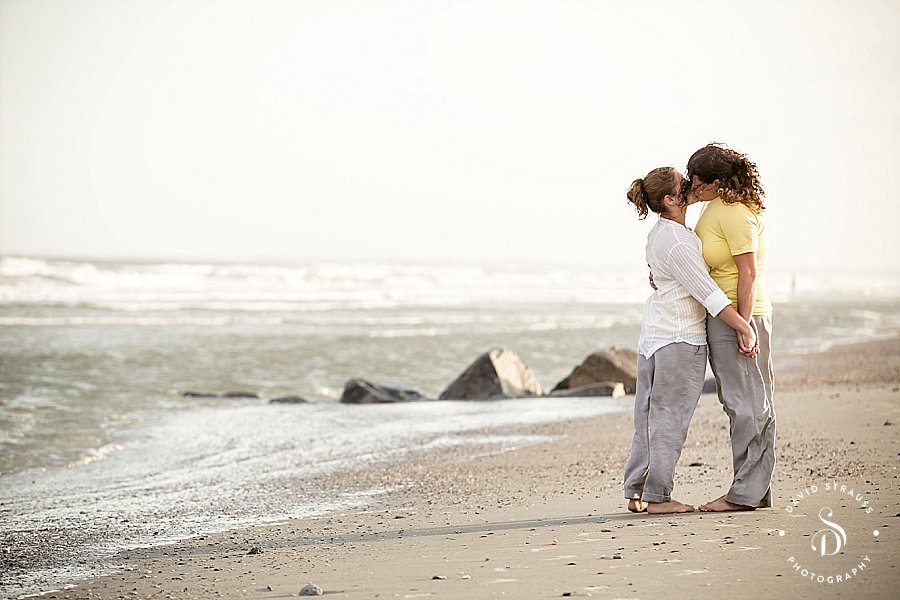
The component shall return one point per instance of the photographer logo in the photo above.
(824, 513)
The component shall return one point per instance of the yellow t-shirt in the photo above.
(727, 230)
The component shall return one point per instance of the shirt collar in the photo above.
(669, 222)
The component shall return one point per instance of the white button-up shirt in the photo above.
(676, 312)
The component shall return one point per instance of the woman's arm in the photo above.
(746, 292)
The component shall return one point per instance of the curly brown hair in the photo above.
(738, 176)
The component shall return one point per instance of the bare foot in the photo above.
(637, 506)
(672, 506)
(720, 504)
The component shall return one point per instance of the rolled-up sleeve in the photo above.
(687, 266)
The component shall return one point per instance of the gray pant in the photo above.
(747, 392)
(668, 388)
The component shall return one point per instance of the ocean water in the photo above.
(97, 440)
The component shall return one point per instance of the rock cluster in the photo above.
(500, 373)
(497, 374)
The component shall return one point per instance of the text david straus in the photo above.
(832, 487)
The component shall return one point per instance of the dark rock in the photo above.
(710, 387)
(199, 395)
(494, 375)
(360, 391)
(217, 395)
(605, 388)
(289, 400)
(610, 364)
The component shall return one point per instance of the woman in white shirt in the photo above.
(672, 347)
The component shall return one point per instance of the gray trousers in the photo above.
(668, 388)
(747, 392)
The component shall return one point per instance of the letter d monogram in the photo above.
(822, 538)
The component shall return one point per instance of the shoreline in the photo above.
(451, 518)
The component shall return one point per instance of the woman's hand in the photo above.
(748, 343)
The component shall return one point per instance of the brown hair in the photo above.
(738, 176)
(647, 194)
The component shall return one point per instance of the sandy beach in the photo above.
(548, 520)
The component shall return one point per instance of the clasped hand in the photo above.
(748, 343)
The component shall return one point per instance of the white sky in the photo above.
(439, 130)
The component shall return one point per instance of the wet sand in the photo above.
(548, 520)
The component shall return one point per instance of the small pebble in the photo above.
(311, 589)
(439, 577)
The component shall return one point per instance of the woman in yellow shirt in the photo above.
(735, 246)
